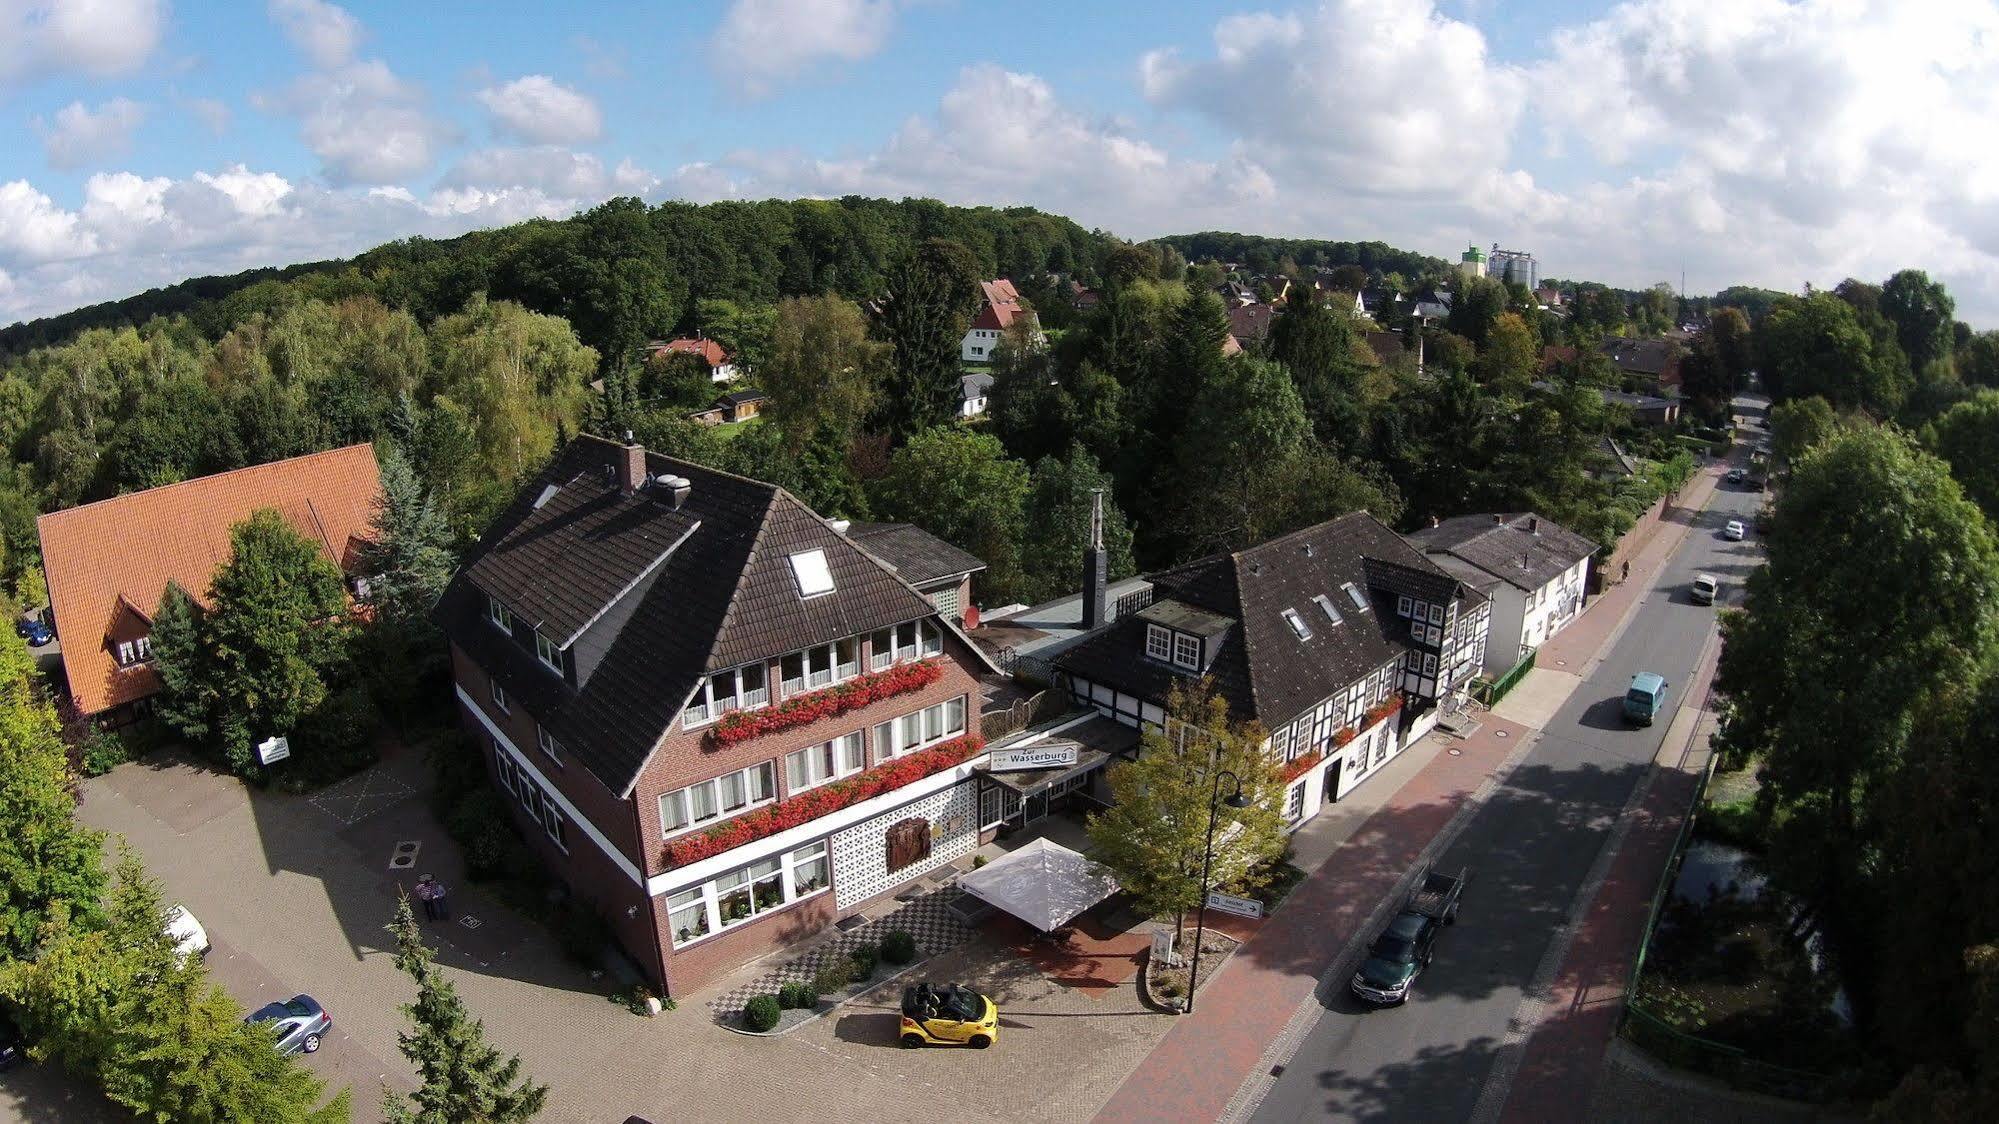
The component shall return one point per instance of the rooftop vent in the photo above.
(840, 525)
(678, 488)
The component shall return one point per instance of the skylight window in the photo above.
(548, 492)
(1298, 624)
(1326, 606)
(1354, 594)
(809, 567)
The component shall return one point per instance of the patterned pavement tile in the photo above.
(361, 795)
(928, 919)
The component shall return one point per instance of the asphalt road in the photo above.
(1530, 849)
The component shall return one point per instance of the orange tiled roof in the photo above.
(707, 349)
(111, 559)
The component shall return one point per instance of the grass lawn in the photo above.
(727, 433)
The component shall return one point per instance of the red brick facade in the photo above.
(632, 824)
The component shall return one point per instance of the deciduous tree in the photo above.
(47, 859)
(962, 487)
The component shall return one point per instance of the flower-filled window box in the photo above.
(1383, 709)
(824, 800)
(1299, 766)
(1344, 736)
(800, 710)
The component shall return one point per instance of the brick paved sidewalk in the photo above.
(1196, 1070)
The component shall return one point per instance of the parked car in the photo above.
(1737, 476)
(1645, 698)
(1406, 946)
(947, 1016)
(297, 1024)
(190, 939)
(13, 1048)
(1733, 532)
(32, 628)
(1704, 589)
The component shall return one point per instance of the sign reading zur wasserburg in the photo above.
(1229, 903)
(1033, 757)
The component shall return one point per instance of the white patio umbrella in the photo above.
(1044, 884)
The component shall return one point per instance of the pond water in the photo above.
(1709, 870)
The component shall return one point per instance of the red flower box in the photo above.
(1344, 736)
(1299, 766)
(826, 799)
(1383, 709)
(827, 702)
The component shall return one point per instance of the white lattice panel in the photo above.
(860, 853)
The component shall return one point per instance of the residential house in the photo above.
(1656, 361)
(109, 562)
(735, 406)
(1000, 307)
(1250, 323)
(936, 569)
(973, 391)
(1610, 463)
(1646, 409)
(1432, 304)
(721, 368)
(1237, 294)
(1083, 297)
(1548, 297)
(1531, 568)
(1340, 639)
(666, 669)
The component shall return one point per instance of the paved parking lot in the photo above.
(295, 892)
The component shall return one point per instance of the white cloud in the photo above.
(540, 110)
(213, 114)
(33, 229)
(762, 43)
(82, 136)
(101, 38)
(326, 33)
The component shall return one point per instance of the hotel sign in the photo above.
(1033, 757)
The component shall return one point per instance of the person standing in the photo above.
(437, 902)
(426, 892)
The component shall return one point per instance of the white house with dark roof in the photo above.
(1341, 639)
(1531, 567)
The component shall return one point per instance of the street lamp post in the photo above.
(1215, 800)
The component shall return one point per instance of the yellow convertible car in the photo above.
(947, 1016)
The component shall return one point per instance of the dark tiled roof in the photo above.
(1250, 323)
(739, 397)
(1261, 666)
(723, 597)
(975, 385)
(917, 556)
(1653, 357)
(1524, 550)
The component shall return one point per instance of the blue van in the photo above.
(1646, 698)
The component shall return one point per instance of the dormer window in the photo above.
(135, 651)
(1298, 626)
(548, 653)
(498, 614)
(1186, 650)
(814, 578)
(1159, 643)
(1354, 594)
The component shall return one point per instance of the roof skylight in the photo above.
(1354, 594)
(1298, 624)
(814, 578)
(1326, 605)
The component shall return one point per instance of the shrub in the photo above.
(978, 861)
(834, 977)
(761, 1014)
(797, 996)
(101, 753)
(580, 932)
(478, 823)
(899, 947)
(864, 957)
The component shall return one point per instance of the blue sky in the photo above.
(1762, 141)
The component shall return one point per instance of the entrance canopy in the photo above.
(1044, 884)
(1027, 782)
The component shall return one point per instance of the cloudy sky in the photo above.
(1750, 141)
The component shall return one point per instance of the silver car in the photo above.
(297, 1024)
(1704, 589)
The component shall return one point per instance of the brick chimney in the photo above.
(1096, 568)
(631, 466)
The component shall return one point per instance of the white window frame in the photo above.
(499, 615)
(812, 572)
(702, 905)
(1159, 643)
(809, 679)
(544, 649)
(919, 729)
(704, 707)
(135, 651)
(826, 762)
(1437, 614)
(500, 696)
(684, 798)
(1403, 605)
(1187, 651)
(533, 799)
(887, 646)
(1416, 627)
(546, 742)
(1325, 605)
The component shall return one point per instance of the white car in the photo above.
(1733, 532)
(1705, 587)
(190, 939)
